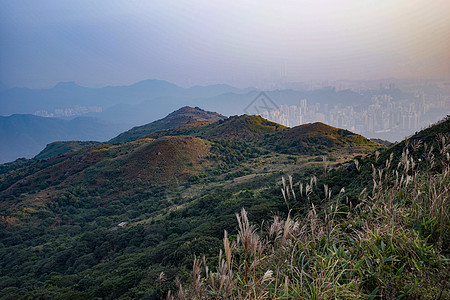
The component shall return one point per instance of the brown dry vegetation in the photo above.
(160, 161)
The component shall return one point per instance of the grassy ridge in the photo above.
(242, 128)
(307, 139)
(320, 139)
(391, 243)
(173, 120)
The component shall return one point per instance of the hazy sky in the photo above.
(243, 43)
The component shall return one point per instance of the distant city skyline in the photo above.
(263, 44)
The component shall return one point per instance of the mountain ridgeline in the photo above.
(151, 99)
(131, 104)
(26, 135)
(317, 137)
(123, 219)
(176, 119)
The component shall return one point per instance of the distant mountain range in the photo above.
(26, 135)
(149, 100)
(132, 105)
(135, 104)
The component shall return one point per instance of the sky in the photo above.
(242, 43)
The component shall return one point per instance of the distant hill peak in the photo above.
(257, 120)
(193, 111)
(319, 127)
(320, 139)
(66, 85)
(244, 128)
(186, 109)
(154, 82)
(173, 120)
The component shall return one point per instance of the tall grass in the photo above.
(393, 244)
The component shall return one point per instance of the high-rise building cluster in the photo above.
(384, 114)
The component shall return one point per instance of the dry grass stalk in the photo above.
(328, 256)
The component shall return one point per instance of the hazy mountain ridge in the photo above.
(27, 135)
(147, 100)
(69, 94)
(151, 99)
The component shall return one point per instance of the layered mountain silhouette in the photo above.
(27, 135)
(138, 103)
(132, 104)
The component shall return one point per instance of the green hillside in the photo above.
(241, 128)
(244, 128)
(173, 120)
(308, 139)
(238, 128)
(320, 139)
(124, 220)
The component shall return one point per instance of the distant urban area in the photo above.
(389, 114)
(68, 112)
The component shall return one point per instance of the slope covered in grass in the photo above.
(240, 128)
(307, 139)
(319, 138)
(392, 242)
(244, 127)
(173, 120)
(117, 169)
